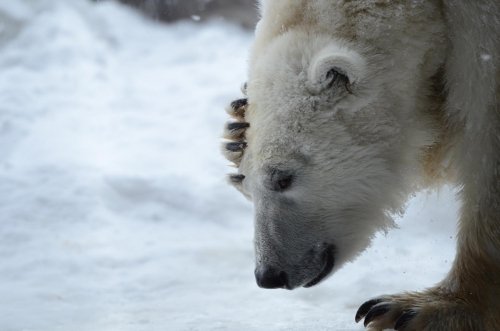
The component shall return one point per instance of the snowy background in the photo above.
(114, 211)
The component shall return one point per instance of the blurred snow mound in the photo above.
(109, 118)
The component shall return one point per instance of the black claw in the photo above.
(237, 108)
(236, 147)
(236, 179)
(376, 311)
(233, 126)
(404, 319)
(365, 308)
(237, 104)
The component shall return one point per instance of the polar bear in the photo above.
(350, 107)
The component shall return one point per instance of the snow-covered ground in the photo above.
(114, 211)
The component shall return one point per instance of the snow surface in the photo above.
(114, 211)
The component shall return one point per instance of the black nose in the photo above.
(269, 277)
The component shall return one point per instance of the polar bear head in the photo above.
(327, 157)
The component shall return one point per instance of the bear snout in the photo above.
(315, 266)
(270, 277)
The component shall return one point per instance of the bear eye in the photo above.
(284, 183)
(281, 180)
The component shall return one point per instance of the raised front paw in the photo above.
(234, 131)
(428, 311)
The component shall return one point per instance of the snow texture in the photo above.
(114, 211)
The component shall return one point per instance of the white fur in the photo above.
(362, 144)
(357, 153)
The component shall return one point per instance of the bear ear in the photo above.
(335, 67)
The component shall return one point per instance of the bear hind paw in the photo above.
(427, 311)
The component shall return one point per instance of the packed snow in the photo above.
(115, 214)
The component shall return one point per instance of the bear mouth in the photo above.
(328, 263)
